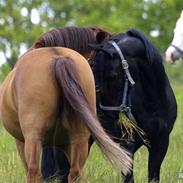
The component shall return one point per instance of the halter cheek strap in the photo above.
(128, 79)
(124, 62)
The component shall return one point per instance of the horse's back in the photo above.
(35, 72)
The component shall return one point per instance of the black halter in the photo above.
(178, 53)
(128, 80)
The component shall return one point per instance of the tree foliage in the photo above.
(18, 30)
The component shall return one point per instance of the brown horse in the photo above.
(78, 39)
(50, 94)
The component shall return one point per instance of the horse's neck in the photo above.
(152, 93)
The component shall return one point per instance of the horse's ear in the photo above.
(101, 36)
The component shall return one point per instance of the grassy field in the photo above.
(97, 170)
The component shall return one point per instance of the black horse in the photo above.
(130, 78)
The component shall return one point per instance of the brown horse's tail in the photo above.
(68, 80)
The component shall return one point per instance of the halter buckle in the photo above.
(125, 64)
(124, 108)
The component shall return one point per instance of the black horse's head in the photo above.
(120, 61)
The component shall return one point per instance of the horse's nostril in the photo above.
(172, 57)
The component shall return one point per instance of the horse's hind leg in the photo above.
(32, 157)
(20, 148)
(78, 156)
(54, 163)
(62, 163)
(157, 153)
(78, 148)
(48, 162)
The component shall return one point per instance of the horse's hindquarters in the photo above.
(8, 107)
(38, 101)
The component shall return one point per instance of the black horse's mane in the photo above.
(76, 38)
(152, 53)
(154, 70)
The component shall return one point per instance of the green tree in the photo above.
(18, 30)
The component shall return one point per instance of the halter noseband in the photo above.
(177, 48)
(128, 79)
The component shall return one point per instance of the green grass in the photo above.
(97, 170)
